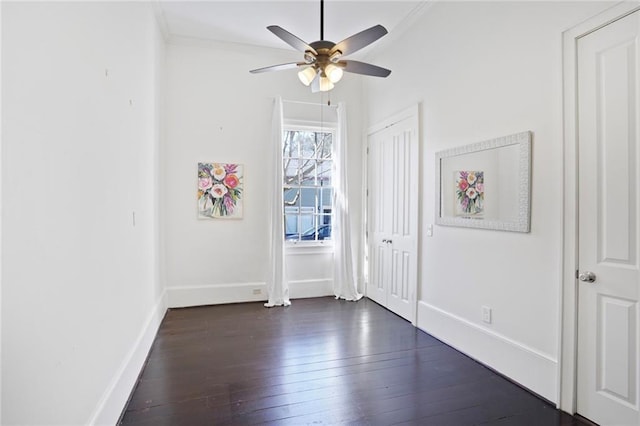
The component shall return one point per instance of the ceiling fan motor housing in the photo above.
(324, 56)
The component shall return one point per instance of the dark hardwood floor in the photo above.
(319, 361)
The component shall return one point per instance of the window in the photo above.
(307, 186)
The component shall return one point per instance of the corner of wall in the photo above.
(161, 20)
(115, 397)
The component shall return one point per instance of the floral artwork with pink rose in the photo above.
(469, 193)
(220, 190)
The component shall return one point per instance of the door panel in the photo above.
(609, 147)
(615, 82)
(404, 229)
(617, 324)
(379, 220)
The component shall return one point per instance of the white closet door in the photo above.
(393, 185)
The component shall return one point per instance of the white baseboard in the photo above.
(310, 288)
(180, 297)
(115, 397)
(522, 364)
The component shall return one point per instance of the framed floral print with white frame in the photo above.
(220, 190)
(486, 184)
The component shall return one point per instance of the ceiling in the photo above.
(244, 21)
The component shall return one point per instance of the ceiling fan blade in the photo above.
(357, 67)
(290, 39)
(290, 65)
(360, 40)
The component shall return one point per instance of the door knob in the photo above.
(588, 277)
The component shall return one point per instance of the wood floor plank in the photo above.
(319, 361)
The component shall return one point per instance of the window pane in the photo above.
(290, 145)
(324, 172)
(291, 227)
(326, 142)
(291, 197)
(326, 199)
(308, 172)
(306, 224)
(308, 144)
(324, 229)
(310, 232)
(308, 200)
(291, 172)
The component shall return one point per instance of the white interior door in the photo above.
(609, 225)
(379, 199)
(393, 184)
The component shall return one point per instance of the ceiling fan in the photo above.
(323, 64)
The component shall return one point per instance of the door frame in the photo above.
(568, 313)
(410, 112)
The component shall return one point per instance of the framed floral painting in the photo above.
(469, 193)
(502, 164)
(220, 190)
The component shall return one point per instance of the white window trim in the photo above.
(309, 247)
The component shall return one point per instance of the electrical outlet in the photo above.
(257, 291)
(486, 314)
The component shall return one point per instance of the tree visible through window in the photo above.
(307, 186)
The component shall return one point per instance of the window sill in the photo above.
(308, 247)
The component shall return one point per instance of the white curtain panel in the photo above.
(277, 285)
(344, 281)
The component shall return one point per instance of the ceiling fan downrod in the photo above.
(321, 19)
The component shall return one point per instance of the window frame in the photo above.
(319, 246)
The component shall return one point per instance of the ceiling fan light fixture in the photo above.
(333, 72)
(307, 75)
(325, 84)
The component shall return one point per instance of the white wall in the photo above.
(482, 70)
(81, 297)
(216, 111)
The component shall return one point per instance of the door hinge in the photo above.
(367, 150)
(577, 274)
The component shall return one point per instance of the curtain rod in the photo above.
(308, 103)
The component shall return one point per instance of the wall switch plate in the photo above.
(486, 314)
